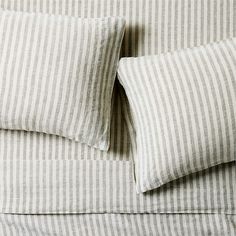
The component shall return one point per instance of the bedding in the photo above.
(184, 109)
(92, 186)
(57, 74)
(118, 224)
(201, 203)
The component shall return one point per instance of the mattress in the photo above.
(53, 186)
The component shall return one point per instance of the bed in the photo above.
(50, 185)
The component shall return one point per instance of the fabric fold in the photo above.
(83, 186)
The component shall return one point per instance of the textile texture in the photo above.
(152, 27)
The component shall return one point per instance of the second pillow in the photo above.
(184, 107)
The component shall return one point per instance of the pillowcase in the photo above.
(57, 74)
(184, 108)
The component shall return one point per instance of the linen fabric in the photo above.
(152, 27)
(72, 177)
(184, 108)
(57, 74)
(118, 224)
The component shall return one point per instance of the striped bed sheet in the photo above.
(52, 186)
(118, 225)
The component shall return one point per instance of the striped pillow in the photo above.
(57, 74)
(184, 107)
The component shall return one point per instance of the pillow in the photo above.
(57, 74)
(184, 108)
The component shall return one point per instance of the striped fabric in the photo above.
(152, 27)
(46, 162)
(83, 186)
(118, 225)
(184, 107)
(57, 74)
